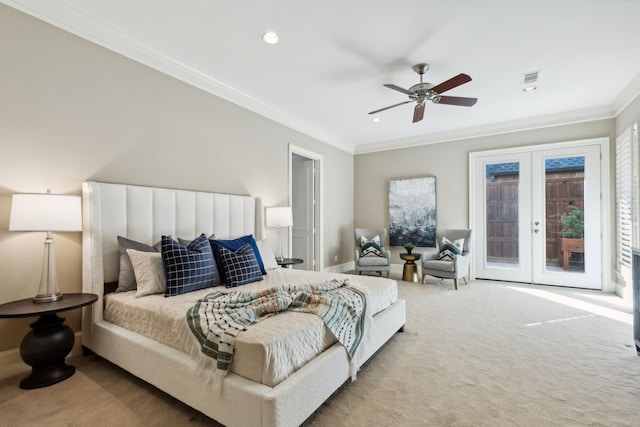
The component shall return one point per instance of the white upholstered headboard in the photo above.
(145, 214)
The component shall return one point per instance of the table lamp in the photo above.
(46, 212)
(278, 217)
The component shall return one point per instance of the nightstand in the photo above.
(288, 262)
(50, 340)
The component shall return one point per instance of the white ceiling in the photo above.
(327, 72)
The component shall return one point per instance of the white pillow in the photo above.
(149, 272)
(268, 258)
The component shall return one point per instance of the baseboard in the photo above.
(341, 268)
(11, 364)
(396, 269)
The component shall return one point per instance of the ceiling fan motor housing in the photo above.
(422, 92)
(421, 88)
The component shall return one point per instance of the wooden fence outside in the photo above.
(562, 189)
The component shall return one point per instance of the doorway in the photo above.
(305, 195)
(537, 215)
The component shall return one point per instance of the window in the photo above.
(627, 209)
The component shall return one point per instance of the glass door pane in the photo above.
(564, 205)
(501, 189)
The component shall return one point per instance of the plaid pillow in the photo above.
(188, 268)
(239, 267)
(234, 245)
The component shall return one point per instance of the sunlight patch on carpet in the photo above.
(581, 305)
(559, 320)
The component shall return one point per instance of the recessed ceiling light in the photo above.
(270, 37)
(376, 120)
(529, 88)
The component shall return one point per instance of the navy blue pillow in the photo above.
(188, 268)
(236, 244)
(240, 267)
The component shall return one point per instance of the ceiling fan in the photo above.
(422, 92)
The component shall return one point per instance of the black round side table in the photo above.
(50, 340)
(288, 262)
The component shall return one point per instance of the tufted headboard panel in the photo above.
(145, 214)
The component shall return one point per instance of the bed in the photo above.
(258, 390)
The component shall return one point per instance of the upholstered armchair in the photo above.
(371, 255)
(452, 259)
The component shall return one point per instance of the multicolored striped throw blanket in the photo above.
(218, 318)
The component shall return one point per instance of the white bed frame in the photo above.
(146, 213)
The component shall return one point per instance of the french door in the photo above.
(537, 216)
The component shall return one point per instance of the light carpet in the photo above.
(489, 354)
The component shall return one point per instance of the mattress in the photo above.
(268, 351)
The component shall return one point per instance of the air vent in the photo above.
(530, 78)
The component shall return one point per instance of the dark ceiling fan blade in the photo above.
(418, 113)
(399, 89)
(391, 106)
(455, 100)
(456, 81)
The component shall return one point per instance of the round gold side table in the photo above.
(410, 269)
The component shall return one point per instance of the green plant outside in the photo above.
(572, 223)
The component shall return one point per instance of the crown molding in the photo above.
(627, 96)
(539, 122)
(94, 30)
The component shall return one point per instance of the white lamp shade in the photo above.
(45, 212)
(279, 217)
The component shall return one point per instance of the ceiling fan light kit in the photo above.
(422, 92)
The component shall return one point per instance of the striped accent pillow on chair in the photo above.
(449, 250)
(370, 247)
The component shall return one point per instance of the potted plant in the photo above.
(572, 223)
(571, 234)
(409, 247)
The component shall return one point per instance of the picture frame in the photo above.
(412, 211)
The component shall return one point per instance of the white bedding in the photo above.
(269, 351)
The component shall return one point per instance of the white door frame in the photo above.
(606, 199)
(319, 165)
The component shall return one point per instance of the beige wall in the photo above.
(449, 163)
(71, 111)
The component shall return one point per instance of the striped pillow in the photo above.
(370, 247)
(449, 250)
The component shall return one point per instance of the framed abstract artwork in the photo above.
(412, 211)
